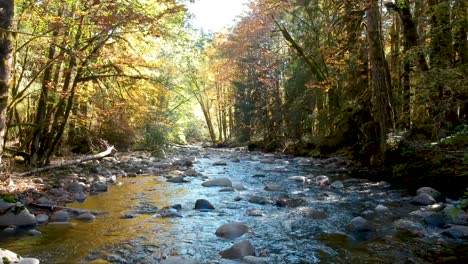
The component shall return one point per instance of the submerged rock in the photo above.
(177, 179)
(314, 214)
(259, 200)
(359, 224)
(239, 250)
(254, 212)
(202, 204)
(86, 217)
(232, 230)
(337, 185)
(273, 187)
(178, 260)
(254, 260)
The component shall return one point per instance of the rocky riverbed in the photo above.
(228, 206)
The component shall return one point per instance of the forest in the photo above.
(383, 83)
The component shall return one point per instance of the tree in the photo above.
(6, 62)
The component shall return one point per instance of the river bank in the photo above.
(140, 209)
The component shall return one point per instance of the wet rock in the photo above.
(239, 250)
(75, 187)
(80, 196)
(413, 227)
(34, 232)
(314, 214)
(219, 163)
(337, 185)
(459, 217)
(60, 216)
(177, 207)
(456, 232)
(235, 160)
(423, 199)
(169, 213)
(368, 213)
(127, 216)
(438, 219)
(359, 224)
(421, 213)
(239, 187)
(258, 176)
(86, 217)
(254, 212)
(227, 189)
(178, 260)
(281, 202)
(42, 218)
(432, 192)
(191, 172)
(237, 198)
(298, 178)
(218, 182)
(7, 257)
(177, 179)
(113, 258)
(436, 207)
(99, 187)
(259, 200)
(9, 230)
(18, 216)
(254, 260)
(273, 187)
(45, 201)
(232, 230)
(202, 204)
(58, 192)
(322, 180)
(381, 209)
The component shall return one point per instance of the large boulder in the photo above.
(239, 250)
(218, 182)
(18, 216)
(232, 230)
(8, 257)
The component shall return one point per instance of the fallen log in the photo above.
(69, 163)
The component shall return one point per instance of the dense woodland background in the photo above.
(383, 82)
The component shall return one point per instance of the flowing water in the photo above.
(282, 233)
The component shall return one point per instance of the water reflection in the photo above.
(70, 244)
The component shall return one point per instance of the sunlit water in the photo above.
(284, 233)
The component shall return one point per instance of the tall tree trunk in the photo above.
(380, 76)
(7, 13)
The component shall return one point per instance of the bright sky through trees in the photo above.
(214, 15)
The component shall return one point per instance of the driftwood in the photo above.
(69, 163)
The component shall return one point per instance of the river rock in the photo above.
(8, 257)
(259, 200)
(253, 212)
(337, 185)
(99, 187)
(58, 192)
(254, 260)
(79, 196)
(219, 182)
(42, 218)
(34, 232)
(232, 230)
(459, 217)
(227, 189)
(75, 187)
(456, 232)
(239, 187)
(190, 172)
(86, 217)
(239, 250)
(382, 209)
(177, 179)
(314, 214)
(423, 199)
(202, 204)
(219, 163)
(438, 219)
(178, 260)
(432, 192)
(22, 217)
(45, 201)
(273, 187)
(359, 224)
(60, 216)
(298, 178)
(322, 180)
(413, 227)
